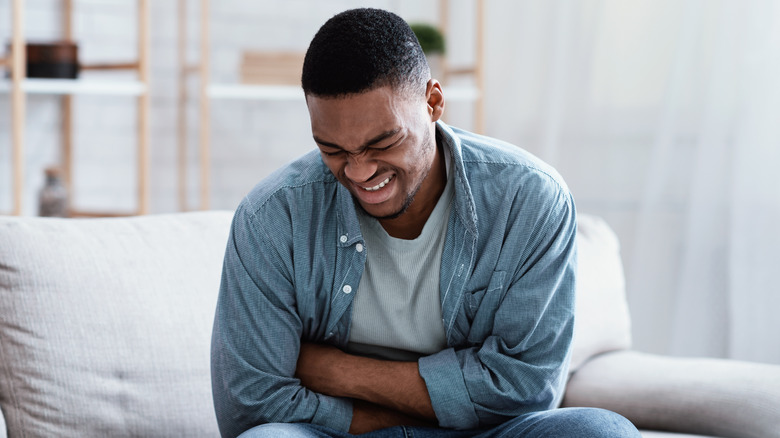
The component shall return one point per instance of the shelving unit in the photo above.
(19, 86)
(208, 91)
(75, 87)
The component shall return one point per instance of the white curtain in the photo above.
(664, 118)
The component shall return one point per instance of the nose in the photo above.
(360, 168)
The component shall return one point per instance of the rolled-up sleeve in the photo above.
(516, 355)
(256, 338)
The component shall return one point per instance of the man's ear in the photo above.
(435, 99)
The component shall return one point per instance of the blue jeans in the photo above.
(565, 422)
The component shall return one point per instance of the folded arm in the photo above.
(515, 359)
(388, 393)
(511, 349)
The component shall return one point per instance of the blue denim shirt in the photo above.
(507, 291)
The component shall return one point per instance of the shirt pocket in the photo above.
(481, 307)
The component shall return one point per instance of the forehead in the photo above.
(351, 120)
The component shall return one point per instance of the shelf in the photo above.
(460, 94)
(255, 92)
(77, 86)
(293, 93)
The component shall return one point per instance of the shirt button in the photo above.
(347, 289)
(343, 239)
(359, 247)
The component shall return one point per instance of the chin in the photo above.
(379, 213)
(384, 213)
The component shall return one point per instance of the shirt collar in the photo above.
(464, 200)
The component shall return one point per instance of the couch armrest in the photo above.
(3, 430)
(719, 397)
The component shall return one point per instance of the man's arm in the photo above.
(514, 344)
(257, 333)
(389, 393)
(368, 417)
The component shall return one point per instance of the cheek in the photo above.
(335, 165)
(417, 163)
(425, 153)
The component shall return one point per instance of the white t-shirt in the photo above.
(397, 309)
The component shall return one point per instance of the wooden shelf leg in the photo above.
(479, 77)
(181, 113)
(18, 72)
(444, 25)
(205, 128)
(66, 107)
(143, 107)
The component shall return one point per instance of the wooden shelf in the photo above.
(96, 214)
(295, 93)
(77, 87)
(255, 92)
(461, 94)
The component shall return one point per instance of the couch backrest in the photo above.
(105, 324)
(602, 322)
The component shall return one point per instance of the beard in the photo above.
(405, 206)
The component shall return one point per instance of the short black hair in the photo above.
(362, 49)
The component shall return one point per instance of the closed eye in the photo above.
(341, 151)
(367, 146)
(331, 154)
(385, 148)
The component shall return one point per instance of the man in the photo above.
(406, 276)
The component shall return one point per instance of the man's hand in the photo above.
(393, 392)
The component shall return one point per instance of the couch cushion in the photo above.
(105, 324)
(601, 321)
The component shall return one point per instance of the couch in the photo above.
(105, 329)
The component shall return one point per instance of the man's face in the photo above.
(379, 145)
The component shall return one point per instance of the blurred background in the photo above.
(662, 115)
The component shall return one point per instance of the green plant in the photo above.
(430, 38)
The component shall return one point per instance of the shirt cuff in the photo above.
(334, 413)
(447, 389)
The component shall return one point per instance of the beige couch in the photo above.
(105, 328)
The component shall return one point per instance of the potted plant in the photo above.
(433, 45)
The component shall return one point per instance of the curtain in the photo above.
(664, 118)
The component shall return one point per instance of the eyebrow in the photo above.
(373, 141)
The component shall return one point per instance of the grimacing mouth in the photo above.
(380, 185)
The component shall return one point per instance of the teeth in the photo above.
(378, 186)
